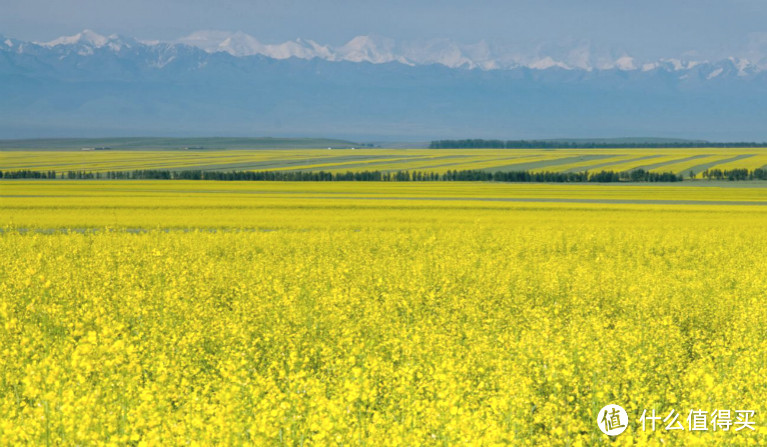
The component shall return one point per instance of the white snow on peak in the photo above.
(625, 63)
(744, 66)
(440, 51)
(84, 37)
(207, 40)
(649, 66)
(580, 57)
(740, 63)
(676, 63)
(370, 49)
(302, 49)
(715, 73)
(87, 40)
(322, 51)
(547, 62)
(450, 54)
(242, 44)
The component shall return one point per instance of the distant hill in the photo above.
(176, 143)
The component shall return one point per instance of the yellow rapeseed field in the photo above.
(204, 313)
(677, 160)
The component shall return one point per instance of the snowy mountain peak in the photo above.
(85, 37)
(546, 63)
(744, 66)
(207, 40)
(8, 43)
(241, 44)
(625, 63)
(87, 40)
(377, 50)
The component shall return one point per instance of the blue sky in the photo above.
(646, 29)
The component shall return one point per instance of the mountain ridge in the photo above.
(378, 49)
(94, 85)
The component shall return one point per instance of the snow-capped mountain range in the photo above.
(377, 50)
(222, 83)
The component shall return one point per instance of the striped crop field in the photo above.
(679, 161)
(643, 161)
(745, 163)
(140, 203)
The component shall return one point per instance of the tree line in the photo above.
(555, 144)
(638, 175)
(26, 173)
(734, 174)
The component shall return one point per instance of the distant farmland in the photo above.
(679, 161)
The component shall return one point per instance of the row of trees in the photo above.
(638, 175)
(555, 144)
(287, 176)
(734, 174)
(26, 173)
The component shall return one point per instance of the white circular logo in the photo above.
(612, 420)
